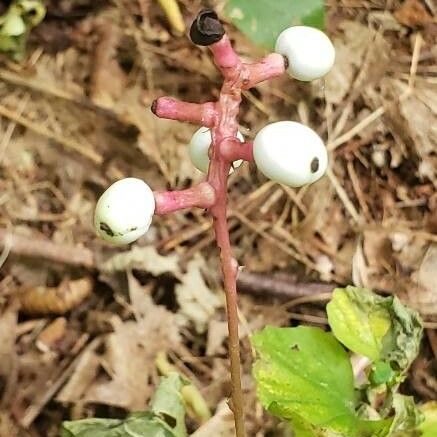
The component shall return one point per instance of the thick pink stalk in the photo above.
(225, 58)
(203, 114)
(221, 118)
(199, 196)
(271, 66)
(235, 150)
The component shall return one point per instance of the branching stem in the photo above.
(222, 118)
(199, 196)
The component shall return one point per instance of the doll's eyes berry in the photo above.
(124, 211)
(290, 153)
(199, 149)
(309, 53)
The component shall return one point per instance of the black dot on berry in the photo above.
(314, 165)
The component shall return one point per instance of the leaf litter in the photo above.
(66, 133)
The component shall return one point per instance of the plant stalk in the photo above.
(223, 135)
(221, 118)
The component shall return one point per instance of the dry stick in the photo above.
(79, 256)
(32, 246)
(284, 287)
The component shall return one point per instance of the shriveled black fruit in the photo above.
(206, 28)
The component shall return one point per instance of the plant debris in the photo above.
(81, 323)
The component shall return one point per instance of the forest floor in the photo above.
(81, 323)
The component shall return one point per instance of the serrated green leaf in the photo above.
(263, 20)
(166, 418)
(304, 372)
(380, 328)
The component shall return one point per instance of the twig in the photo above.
(284, 287)
(41, 248)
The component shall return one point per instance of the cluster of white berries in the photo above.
(286, 152)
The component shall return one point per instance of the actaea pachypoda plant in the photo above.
(286, 152)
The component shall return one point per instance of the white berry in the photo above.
(199, 148)
(124, 211)
(290, 153)
(309, 52)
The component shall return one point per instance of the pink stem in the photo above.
(199, 196)
(223, 137)
(267, 68)
(221, 118)
(203, 114)
(227, 61)
(235, 150)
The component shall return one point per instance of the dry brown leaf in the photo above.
(197, 302)
(377, 250)
(142, 258)
(217, 333)
(360, 273)
(84, 374)
(107, 78)
(8, 356)
(50, 337)
(413, 119)
(412, 13)
(424, 298)
(55, 300)
(220, 425)
(350, 52)
(130, 355)
(9, 428)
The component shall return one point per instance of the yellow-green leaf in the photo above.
(304, 375)
(359, 320)
(380, 328)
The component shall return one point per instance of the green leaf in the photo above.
(405, 335)
(13, 26)
(166, 418)
(302, 428)
(168, 404)
(429, 425)
(380, 328)
(16, 23)
(359, 320)
(407, 416)
(381, 373)
(263, 20)
(305, 373)
(145, 425)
